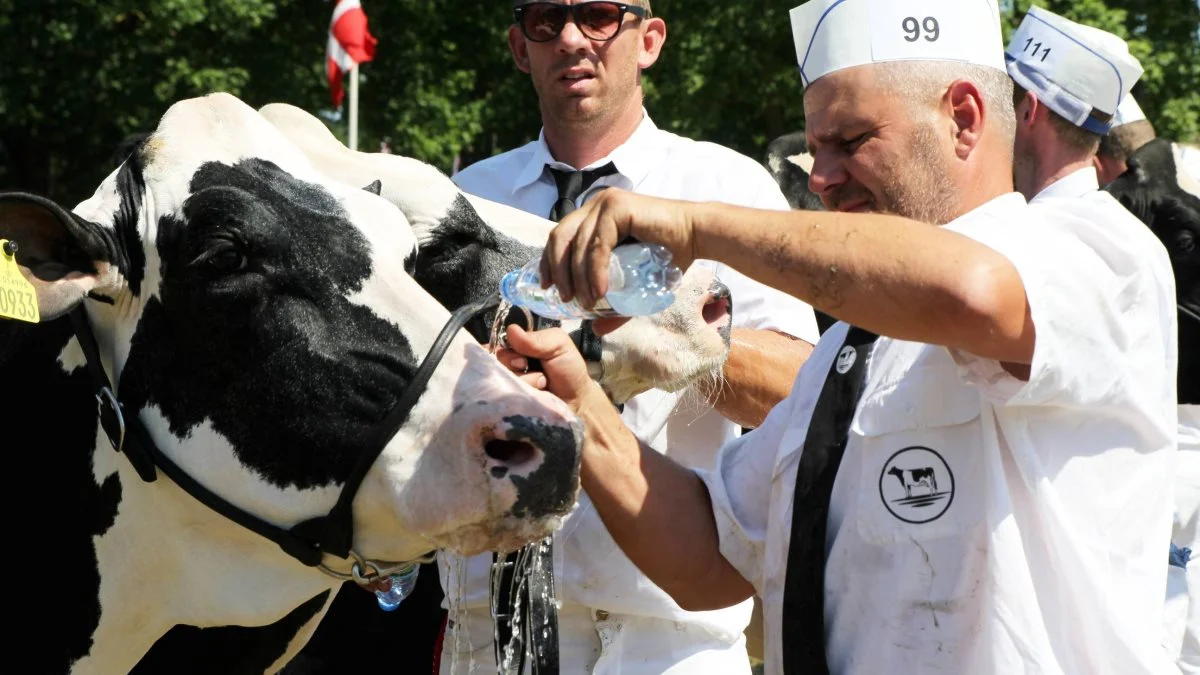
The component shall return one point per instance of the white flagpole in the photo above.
(354, 107)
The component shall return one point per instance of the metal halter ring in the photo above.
(374, 570)
(106, 398)
(498, 335)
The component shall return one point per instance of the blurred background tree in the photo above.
(80, 76)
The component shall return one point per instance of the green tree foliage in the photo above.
(79, 76)
(728, 73)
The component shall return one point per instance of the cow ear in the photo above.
(375, 188)
(59, 253)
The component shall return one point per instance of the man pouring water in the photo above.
(982, 488)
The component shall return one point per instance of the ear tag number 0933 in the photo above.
(18, 300)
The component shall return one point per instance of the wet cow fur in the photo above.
(209, 373)
(1156, 189)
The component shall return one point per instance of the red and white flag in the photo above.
(349, 43)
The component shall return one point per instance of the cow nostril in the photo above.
(510, 453)
(716, 310)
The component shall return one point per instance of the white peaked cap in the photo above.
(1128, 111)
(1075, 70)
(834, 34)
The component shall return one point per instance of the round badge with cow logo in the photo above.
(845, 359)
(916, 485)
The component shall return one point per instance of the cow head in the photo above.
(1158, 190)
(260, 322)
(468, 243)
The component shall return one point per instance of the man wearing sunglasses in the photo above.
(585, 61)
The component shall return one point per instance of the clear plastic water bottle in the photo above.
(641, 281)
(400, 586)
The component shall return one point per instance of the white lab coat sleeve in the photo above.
(740, 490)
(1095, 307)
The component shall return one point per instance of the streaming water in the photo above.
(530, 615)
(523, 635)
(459, 618)
(509, 653)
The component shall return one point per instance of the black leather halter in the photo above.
(309, 541)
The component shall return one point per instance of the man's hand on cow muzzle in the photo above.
(564, 372)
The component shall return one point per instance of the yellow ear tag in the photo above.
(18, 300)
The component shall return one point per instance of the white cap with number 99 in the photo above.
(834, 34)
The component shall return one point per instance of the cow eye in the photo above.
(221, 257)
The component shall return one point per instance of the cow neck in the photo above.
(309, 541)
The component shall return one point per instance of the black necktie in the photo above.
(828, 432)
(571, 184)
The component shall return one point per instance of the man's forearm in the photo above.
(886, 274)
(667, 531)
(758, 374)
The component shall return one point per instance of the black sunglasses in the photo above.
(600, 20)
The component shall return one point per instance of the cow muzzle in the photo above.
(539, 459)
(500, 473)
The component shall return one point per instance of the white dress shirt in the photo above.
(1072, 186)
(1181, 622)
(639, 628)
(1037, 546)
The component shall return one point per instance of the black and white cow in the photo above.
(258, 321)
(466, 245)
(911, 478)
(1158, 190)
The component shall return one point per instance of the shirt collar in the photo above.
(1072, 186)
(634, 158)
(1001, 207)
(535, 165)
